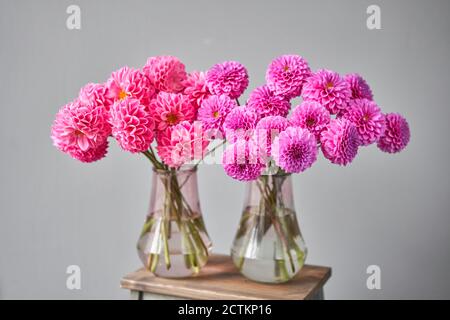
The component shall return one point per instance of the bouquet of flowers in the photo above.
(151, 111)
(337, 115)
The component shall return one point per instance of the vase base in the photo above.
(267, 271)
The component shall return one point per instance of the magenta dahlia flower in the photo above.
(359, 87)
(196, 88)
(396, 135)
(266, 130)
(287, 74)
(241, 161)
(181, 143)
(95, 94)
(92, 154)
(132, 125)
(312, 116)
(213, 112)
(340, 141)
(229, 78)
(129, 82)
(263, 101)
(329, 89)
(368, 119)
(169, 109)
(79, 127)
(166, 73)
(295, 149)
(240, 123)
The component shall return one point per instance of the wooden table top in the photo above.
(220, 280)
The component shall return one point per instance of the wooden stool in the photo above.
(220, 280)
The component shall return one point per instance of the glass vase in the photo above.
(268, 246)
(174, 242)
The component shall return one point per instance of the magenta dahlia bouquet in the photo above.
(265, 144)
(150, 111)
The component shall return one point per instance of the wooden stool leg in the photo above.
(318, 295)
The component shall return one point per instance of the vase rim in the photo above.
(183, 169)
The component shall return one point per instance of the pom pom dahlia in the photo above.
(129, 82)
(196, 88)
(340, 141)
(312, 116)
(213, 112)
(240, 161)
(80, 127)
(240, 123)
(95, 94)
(359, 87)
(169, 109)
(181, 143)
(229, 78)
(90, 155)
(396, 135)
(132, 125)
(329, 89)
(264, 102)
(368, 119)
(266, 130)
(287, 74)
(166, 73)
(295, 150)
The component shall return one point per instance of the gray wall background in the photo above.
(389, 210)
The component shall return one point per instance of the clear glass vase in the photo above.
(268, 246)
(174, 242)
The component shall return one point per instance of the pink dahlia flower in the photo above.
(368, 119)
(196, 88)
(241, 161)
(90, 155)
(129, 82)
(240, 123)
(263, 101)
(359, 87)
(132, 125)
(95, 94)
(169, 109)
(266, 130)
(295, 150)
(80, 127)
(181, 143)
(396, 135)
(329, 89)
(311, 115)
(287, 74)
(213, 112)
(166, 73)
(229, 78)
(340, 141)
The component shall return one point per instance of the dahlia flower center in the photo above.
(366, 118)
(78, 133)
(216, 114)
(295, 153)
(172, 118)
(122, 95)
(286, 68)
(310, 122)
(329, 85)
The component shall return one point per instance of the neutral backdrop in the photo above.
(387, 210)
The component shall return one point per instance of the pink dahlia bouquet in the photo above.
(265, 144)
(153, 111)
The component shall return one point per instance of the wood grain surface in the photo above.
(220, 280)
